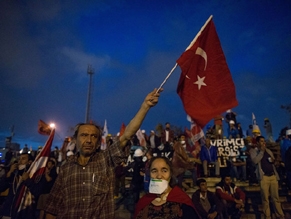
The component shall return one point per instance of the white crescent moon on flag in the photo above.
(200, 81)
(203, 54)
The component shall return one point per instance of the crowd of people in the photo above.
(87, 182)
(260, 168)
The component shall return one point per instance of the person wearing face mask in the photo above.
(181, 162)
(192, 167)
(164, 200)
(16, 174)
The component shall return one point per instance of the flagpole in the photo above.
(162, 84)
(190, 45)
(199, 33)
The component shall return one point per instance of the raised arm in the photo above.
(255, 156)
(150, 101)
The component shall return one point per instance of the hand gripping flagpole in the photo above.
(190, 45)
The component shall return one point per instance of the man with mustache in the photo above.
(84, 187)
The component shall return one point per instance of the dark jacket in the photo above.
(8, 207)
(137, 179)
(229, 193)
(213, 200)
(171, 136)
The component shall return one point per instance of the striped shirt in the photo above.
(86, 192)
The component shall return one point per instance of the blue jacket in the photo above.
(209, 154)
(233, 132)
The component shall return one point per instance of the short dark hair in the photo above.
(183, 134)
(224, 176)
(199, 181)
(259, 137)
(30, 157)
(150, 152)
(77, 127)
(211, 137)
(52, 161)
(110, 142)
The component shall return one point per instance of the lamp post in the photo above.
(90, 72)
(288, 108)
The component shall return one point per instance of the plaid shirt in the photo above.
(86, 192)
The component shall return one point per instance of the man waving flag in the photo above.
(22, 206)
(205, 87)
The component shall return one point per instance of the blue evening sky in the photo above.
(47, 45)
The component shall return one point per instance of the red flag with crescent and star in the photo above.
(205, 87)
(43, 128)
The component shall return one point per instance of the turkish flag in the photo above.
(22, 204)
(43, 128)
(141, 138)
(39, 163)
(196, 132)
(205, 87)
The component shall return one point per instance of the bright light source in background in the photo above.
(52, 125)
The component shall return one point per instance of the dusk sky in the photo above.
(47, 45)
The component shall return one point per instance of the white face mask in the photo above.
(21, 166)
(144, 159)
(183, 142)
(158, 186)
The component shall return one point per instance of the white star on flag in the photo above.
(200, 82)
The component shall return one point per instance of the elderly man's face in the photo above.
(87, 140)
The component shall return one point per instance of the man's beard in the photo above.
(88, 152)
